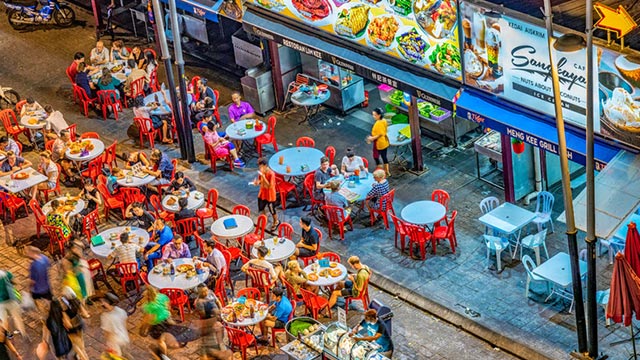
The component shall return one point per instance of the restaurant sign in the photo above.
(422, 33)
(508, 57)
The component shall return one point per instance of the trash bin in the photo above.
(384, 314)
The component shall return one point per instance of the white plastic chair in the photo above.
(544, 207)
(602, 299)
(528, 264)
(535, 242)
(496, 244)
(487, 204)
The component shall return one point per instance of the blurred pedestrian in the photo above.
(213, 343)
(9, 303)
(113, 321)
(40, 285)
(6, 345)
(73, 322)
(56, 332)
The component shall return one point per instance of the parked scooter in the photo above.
(8, 98)
(22, 13)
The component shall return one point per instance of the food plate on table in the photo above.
(316, 12)
(33, 121)
(445, 59)
(411, 45)
(184, 268)
(153, 104)
(312, 277)
(352, 20)
(335, 272)
(171, 200)
(382, 31)
(437, 18)
(333, 265)
(20, 176)
(117, 68)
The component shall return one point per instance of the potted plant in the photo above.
(517, 145)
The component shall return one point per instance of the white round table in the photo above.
(195, 201)
(280, 251)
(238, 130)
(178, 280)
(98, 149)
(79, 206)
(244, 226)
(135, 180)
(106, 249)
(120, 75)
(39, 115)
(258, 315)
(325, 281)
(393, 131)
(295, 158)
(162, 109)
(423, 212)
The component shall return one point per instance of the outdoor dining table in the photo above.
(79, 205)
(311, 103)
(300, 160)
(136, 236)
(508, 219)
(120, 75)
(557, 270)
(260, 313)
(355, 191)
(244, 225)
(16, 186)
(179, 280)
(131, 180)
(399, 142)
(239, 131)
(98, 149)
(164, 108)
(619, 239)
(27, 121)
(279, 251)
(195, 201)
(325, 281)
(424, 212)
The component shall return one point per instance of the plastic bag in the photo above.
(27, 301)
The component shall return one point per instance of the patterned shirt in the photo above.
(378, 190)
(126, 253)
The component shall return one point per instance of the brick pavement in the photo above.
(447, 284)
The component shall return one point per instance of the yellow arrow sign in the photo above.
(614, 20)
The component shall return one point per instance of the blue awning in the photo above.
(206, 8)
(529, 128)
(423, 87)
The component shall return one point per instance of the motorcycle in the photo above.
(22, 13)
(8, 98)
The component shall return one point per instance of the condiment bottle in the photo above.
(173, 269)
(252, 311)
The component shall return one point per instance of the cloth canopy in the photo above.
(632, 248)
(624, 296)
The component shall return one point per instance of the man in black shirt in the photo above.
(139, 217)
(309, 242)
(181, 183)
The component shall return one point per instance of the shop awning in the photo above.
(424, 88)
(529, 128)
(208, 9)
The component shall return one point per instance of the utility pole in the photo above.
(183, 123)
(566, 186)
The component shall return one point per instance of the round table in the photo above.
(161, 110)
(361, 189)
(258, 315)
(195, 201)
(310, 102)
(325, 281)
(79, 206)
(106, 249)
(245, 225)
(393, 131)
(98, 149)
(238, 130)
(296, 157)
(423, 212)
(135, 180)
(39, 115)
(280, 251)
(178, 280)
(119, 75)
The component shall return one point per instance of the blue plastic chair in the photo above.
(535, 242)
(602, 299)
(487, 204)
(544, 207)
(528, 264)
(496, 244)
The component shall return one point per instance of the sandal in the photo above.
(274, 227)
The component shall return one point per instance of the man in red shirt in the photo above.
(72, 70)
(267, 194)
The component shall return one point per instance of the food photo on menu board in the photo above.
(421, 32)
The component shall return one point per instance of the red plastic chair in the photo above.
(400, 231)
(13, 204)
(417, 236)
(90, 135)
(108, 99)
(56, 190)
(258, 233)
(131, 195)
(261, 279)
(314, 303)
(90, 224)
(94, 168)
(383, 206)
(330, 256)
(68, 71)
(284, 187)
(275, 331)
(19, 106)
(11, 125)
(216, 113)
(305, 141)
(294, 86)
(269, 137)
(234, 252)
(136, 89)
(365, 162)
(309, 259)
(49, 145)
(97, 271)
(84, 99)
(157, 208)
(309, 185)
(242, 340)
(336, 217)
(177, 298)
(213, 158)
(442, 197)
(144, 277)
(128, 272)
(241, 210)
(187, 227)
(363, 296)
(145, 125)
(153, 80)
(447, 232)
(210, 210)
(250, 293)
(151, 51)
(330, 152)
(56, 238)
(73, 131)
(110, 202)
(110, 156)
(285, 230)
(41, 218)
(291, 291)
(220, 291)
(194, 86)
(227, 274)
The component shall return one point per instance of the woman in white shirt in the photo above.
(30, 106)
(351, 162)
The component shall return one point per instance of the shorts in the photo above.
(46, 296)
(348, 289)
(306, 252)
(279, 324)
(270, 205)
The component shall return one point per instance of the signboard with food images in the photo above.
(421, 32)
